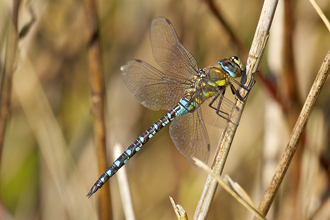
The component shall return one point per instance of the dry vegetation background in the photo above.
(48, 161)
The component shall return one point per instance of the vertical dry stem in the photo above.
(295, 136)
(258, 45)
(98, 108)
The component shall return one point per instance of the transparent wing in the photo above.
(168, 52)
(190, 137)
(216, 110)
(152, 88)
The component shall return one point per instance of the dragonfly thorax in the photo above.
(216, 77)
(204, 85)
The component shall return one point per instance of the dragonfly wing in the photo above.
(167, 50)
(216, 110)
(152, 88)
(190, 137)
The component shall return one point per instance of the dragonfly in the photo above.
(191, 95)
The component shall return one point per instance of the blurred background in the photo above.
(48, 160)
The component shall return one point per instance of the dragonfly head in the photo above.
(233, 66)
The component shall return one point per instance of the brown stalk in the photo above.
(258, 45)
(98, 104)
(296, 134)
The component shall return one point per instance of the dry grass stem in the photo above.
(258, 45)
(295, 136)
(321, 14)
(98, 103)
(233, 189)
(180, 213)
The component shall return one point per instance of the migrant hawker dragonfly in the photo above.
(191, 95)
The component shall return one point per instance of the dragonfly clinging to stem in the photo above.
(191, 96)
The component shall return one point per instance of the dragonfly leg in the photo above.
(220, 113)
(213, 100)
(235, 91)
(248, 89)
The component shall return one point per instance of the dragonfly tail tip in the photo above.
(92, 191)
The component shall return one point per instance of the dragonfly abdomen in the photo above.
(181, 108)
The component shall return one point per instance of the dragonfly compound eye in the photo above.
(237, 61)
